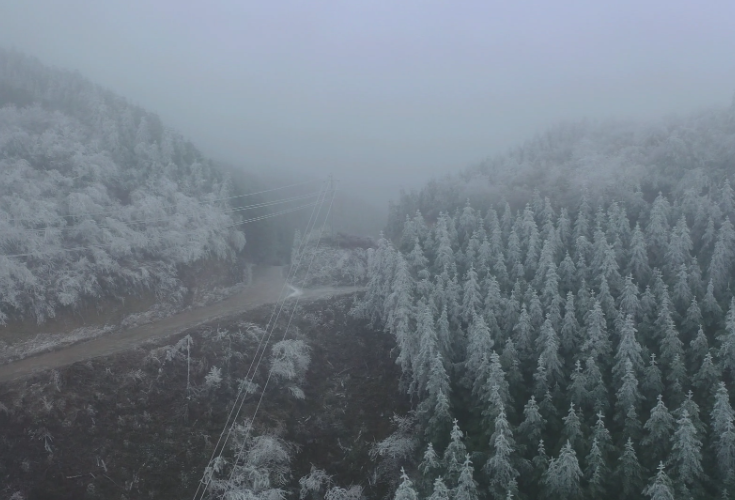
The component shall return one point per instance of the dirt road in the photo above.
(269, 286)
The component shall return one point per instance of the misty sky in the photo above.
(384, 93)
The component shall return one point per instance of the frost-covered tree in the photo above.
(563, 476)
(532, 427)
(466, 485)
(686, 455)
(658, 431)
(405, 490)
(629, 472)
(661, 487)
(723, 433)
(499, 467)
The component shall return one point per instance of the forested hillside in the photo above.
(97, 197)
(577, 342)
(608, 159)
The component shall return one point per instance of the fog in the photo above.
(384, 94)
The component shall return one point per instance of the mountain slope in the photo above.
(97, 197)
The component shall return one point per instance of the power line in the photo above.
(203, 202)
(259, 354)
(255, 206)
(285, 332)
(102, 247)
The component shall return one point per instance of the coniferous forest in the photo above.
(568, 346)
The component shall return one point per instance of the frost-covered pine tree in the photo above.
(629, 472)
(532, 427)
(405, 490)
(723, 434)
(629, 350)
(596, 343)
(638, 256)
(570, 336)
(440, 490)
(471, 296)
(466, 485)
(563, 475)
(661, 487)
(454, 455)
(499, 467)
(658, 431)
(726, 352)
(596, 472)
(572, 429)
(686, 455)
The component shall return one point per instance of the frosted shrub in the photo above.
(214, 377)
(290, 359)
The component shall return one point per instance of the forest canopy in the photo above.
(567, 329)
(97, 197)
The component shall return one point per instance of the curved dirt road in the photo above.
(269, 286)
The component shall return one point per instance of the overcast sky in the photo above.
(384, 93)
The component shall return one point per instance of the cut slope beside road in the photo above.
(269, 287)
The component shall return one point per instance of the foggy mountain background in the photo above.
(384, 94)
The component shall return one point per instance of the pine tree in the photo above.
(405, 490)
(479, 345)
(471, 296)
(595, 385)
(657, 232)
(466, 486)
(638, 256)
(577, 389)
(602, 436)
(652, 383)
(523, 335)
(706, 378)
(727, 343)
(511, 364)
(698, 349)
(499, 468)
(597, 343)
(550, 353)
(711, 310)
(629, 350)
(661, 487)
(629, 302)
(570, 334)
(659, 429)
(596, 472)
(454, 454)
(693, 323)
(563, 475)
(686, 456)
(572, 431)
(532, 427)
(629, 472)
(628, 395)
(723, 432)
(440, 490)
(567, 274)
(437, 404)
(682, 290)
(430, 465)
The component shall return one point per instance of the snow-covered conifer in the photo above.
(499, 467)
(532, 426)
(405, 490)
(629, 472)
(661, 487)
(563, 475)
(658, 431)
